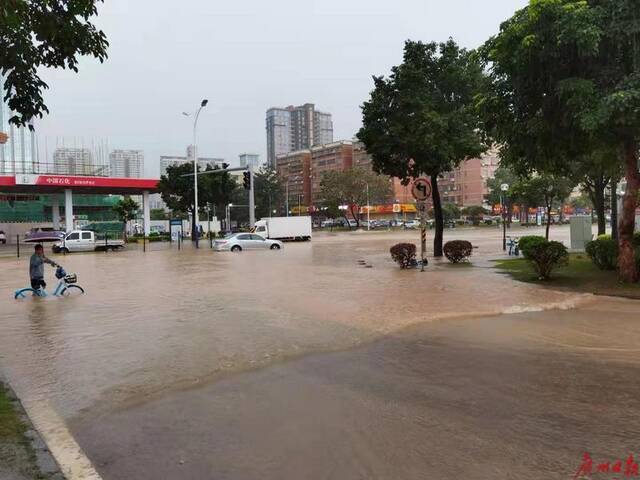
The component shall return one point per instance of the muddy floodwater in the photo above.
(322, 361)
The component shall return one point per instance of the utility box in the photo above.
(581, 231)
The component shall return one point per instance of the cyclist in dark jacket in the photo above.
(36, 267)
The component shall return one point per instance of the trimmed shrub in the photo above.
(545, 256)
(404, 254)
(457, 250)
(528, 242)
(603, 252)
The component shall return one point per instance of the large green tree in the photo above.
(565, 80)
(37, 34)
(177, 189)
(350, 187)
(421, 119)
(126, 209)
(268, 190)
(507, 199)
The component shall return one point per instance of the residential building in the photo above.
(76, 161)
(296, 128)
(294, 168)
(361, 159)
(333, 156)
(467, 184)
(126, 163)
(18, 154)
(252, 159)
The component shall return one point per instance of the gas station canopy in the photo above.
(45, 183)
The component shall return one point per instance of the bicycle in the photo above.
(514, 248)
(67, 285)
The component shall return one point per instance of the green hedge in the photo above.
(457, 250)
(546, 256)
(603, 252)
(528, 242)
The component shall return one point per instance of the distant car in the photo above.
(411, 224)
(43, 234)
(3, 238)
(237, 242)
(353, 223)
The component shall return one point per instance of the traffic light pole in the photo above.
(252, 200)
(249, 170)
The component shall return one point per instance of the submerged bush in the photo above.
(545, 256)
(404, 254)
(603, 252)
(528, 242)
(457, 250)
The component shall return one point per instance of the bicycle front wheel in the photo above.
(72, 290)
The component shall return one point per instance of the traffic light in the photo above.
(246, 180)
(225, 166)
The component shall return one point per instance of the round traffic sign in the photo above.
(421, 189)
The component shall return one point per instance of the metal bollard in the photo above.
(18, 244)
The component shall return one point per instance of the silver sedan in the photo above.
(237, 242)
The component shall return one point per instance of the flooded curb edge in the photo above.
(52, 431)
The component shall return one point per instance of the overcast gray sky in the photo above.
(244, 56)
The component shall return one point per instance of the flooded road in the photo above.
(199, 361)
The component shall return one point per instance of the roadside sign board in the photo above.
(421, 189)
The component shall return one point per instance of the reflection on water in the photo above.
(167, 319)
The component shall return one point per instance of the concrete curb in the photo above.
(45, 462)
(58, 454)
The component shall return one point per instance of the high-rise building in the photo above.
(203, 162)
(75, 161)
(126, 163)
(18, 154)
(247, 159)
(295, 128)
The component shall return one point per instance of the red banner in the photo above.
(69, 181)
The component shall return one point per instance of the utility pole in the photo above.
(252, 200)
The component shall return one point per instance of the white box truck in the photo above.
(284, 228)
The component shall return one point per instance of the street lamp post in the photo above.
(504, 188)
(209, 225)
(368, 210)
(195, 169)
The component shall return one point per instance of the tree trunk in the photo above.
(438, 217)
(546, 235)
(627, 268)
(598, 203)
(355, 217)
(614, 209)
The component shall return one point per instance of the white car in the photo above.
(411, 224)
(237, 242)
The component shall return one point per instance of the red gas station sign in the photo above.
(71, 181)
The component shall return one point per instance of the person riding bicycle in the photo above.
(36, 267)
